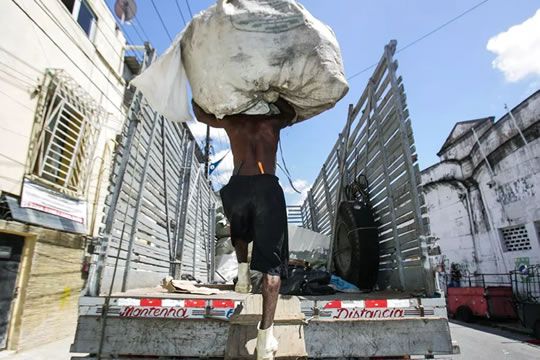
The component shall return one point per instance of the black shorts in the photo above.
(255, 207)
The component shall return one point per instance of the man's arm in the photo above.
(208, 119)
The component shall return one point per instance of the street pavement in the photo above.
(58, 350)
(481, 342)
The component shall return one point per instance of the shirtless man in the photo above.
(254, 203)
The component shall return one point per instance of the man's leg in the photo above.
(241, 249)
(270, 293)
(243, 284)
(267, 344)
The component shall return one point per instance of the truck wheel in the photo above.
(356, 247)
(464, 314)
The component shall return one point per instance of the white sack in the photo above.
(237, 53)
(242, 53)
(164, 84)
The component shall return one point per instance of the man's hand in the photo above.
(204, 117)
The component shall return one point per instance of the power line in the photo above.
(161, 20)
(98, 28)
(180, 11)
(189, 8)
(442, 26)
(142, 28)
(138, 34)
(75, 63)
(424, 36)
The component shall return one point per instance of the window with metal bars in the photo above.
(69, 127)
(516, 238)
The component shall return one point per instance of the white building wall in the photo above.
(514, 199)
(41, 34)
(455, 231)
(468, 205)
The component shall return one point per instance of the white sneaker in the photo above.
(267, 344)
(243, 285)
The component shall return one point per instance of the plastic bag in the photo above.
(341, 285)
(164, 84)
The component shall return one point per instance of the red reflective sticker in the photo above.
(376, 303)
(195, 303)
(150, 302)
(223, 304)
(333, 304)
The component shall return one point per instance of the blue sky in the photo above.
(449, 76)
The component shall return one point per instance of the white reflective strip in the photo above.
(90, 300)
(398, 303)
(169, 302)
(353, 304)
(127, 302)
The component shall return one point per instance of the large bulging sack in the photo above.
(240, 54)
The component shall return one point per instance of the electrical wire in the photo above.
(441, 26)
(75, 63)
(180, 11)
(161, 20)
(98, 28)
(285, 170)
(138, 34)
(122, 27)
(414, 42)
(189, 8)
(142, 28)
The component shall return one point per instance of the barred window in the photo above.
(516, 238)
(69, 123)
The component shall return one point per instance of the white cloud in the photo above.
(219, 136)
(294, 198)
(518, 49)
(300, 185)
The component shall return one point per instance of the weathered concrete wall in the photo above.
(461, 148)
(49, 286)
(442, 199)
(469, 204)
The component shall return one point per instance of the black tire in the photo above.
(464, 314)
(356, 248)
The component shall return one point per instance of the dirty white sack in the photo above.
(164, 84)
(244, 53)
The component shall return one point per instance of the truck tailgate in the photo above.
(156, 323)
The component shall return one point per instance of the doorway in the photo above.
(10, 258)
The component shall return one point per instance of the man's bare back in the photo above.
(254, 138)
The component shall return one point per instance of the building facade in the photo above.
(62, 98)
(483, 196)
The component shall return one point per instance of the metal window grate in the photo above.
(516, 238)
(70, 124)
